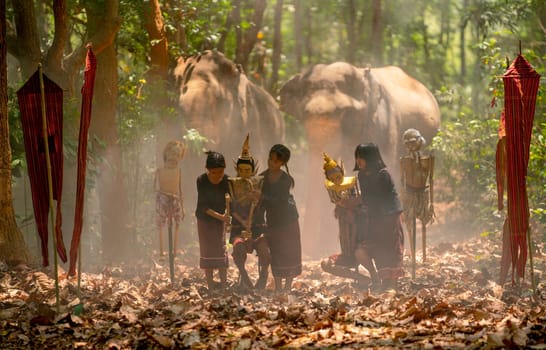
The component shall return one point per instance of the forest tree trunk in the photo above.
(111, 188)
(298, 35)
(249, 38)
(277, 48)
(12, 245)
(377, 34)
(351, 32)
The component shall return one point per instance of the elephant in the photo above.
(341, 106)
(217, 99)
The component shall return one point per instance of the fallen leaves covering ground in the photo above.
(454, 302)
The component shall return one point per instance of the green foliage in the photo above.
(465, 153)
(195, 25)
(18, 160)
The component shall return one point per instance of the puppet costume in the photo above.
(168, 187)
(346, 196)
(167, 205)
(283, 231)
(212, 240)
(417, 171)
(246, 231)
(417, 187)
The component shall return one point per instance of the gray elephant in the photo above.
(217, 99)
(341, 106)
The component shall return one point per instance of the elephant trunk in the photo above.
(319, 230)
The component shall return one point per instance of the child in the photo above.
(382, 243)
(345, 194)
(168, 184)
(283, 230)
(246, 233)
(213, 219)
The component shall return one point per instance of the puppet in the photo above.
(169, 203)
(345, 194)
(417, 169)
(246, 232)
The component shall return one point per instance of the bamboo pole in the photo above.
(49, 183)
(530, 245)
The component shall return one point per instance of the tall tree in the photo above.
(247, 39)
(309, 33)
(350, 23)
(159, 55)
(298, 34)
(462, 43)
(377, 33)
(111, 187)
(25, 44)
(277, 48)
(12, 245)
(60, 64)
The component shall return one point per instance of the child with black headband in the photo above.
(213, 219)
(283, 230)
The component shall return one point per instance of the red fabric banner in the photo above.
(30, 106)
(521, 84)
(85, 119)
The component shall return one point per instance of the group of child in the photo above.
(370, 223)
(264, 214)
(265, 218)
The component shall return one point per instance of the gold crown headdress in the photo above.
(245, 157)
(330, 164)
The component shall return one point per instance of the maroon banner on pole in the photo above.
(30, 106)
(521, 84)
(85, 119)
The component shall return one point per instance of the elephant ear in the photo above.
(184, 69)
(291, 96)
(374, 92)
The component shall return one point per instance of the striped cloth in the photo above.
(521, 84)
(30, 106)
(85, 119)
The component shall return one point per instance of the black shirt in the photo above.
(210, 196)
(378, 193)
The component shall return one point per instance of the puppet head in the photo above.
(173, 153)
(332, 170)
(245, 165)
(413, 140)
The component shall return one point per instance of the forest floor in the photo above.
(453, 302)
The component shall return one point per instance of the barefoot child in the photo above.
(283, 230)
(213, 218)
(169, 205)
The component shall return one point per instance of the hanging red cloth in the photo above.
(85, 119)
(521, 83)
(500, 162)
(30, 106)
(500, 167)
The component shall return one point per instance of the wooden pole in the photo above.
(49, 183)
(413, 246)
(530, 244)
(171, 253)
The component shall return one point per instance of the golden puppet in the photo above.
(345, 194)
(247, 229)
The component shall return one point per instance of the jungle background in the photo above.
(459, 49)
